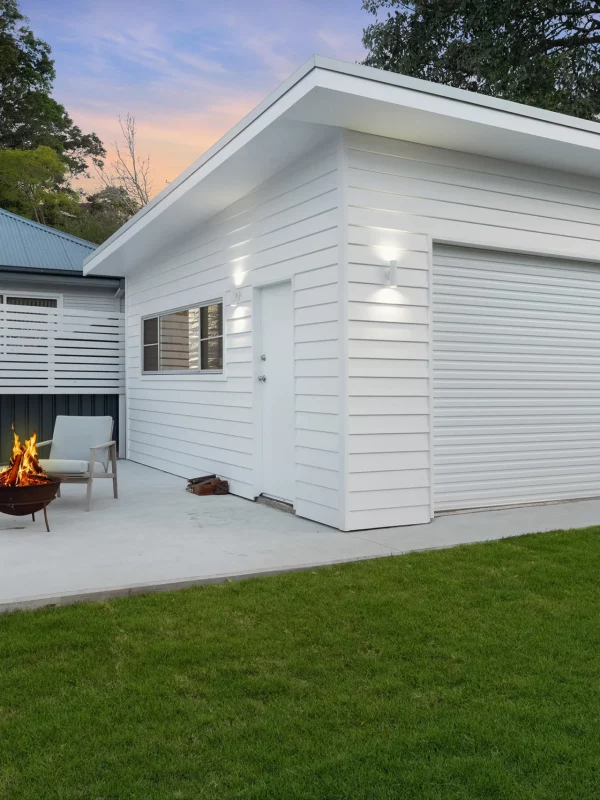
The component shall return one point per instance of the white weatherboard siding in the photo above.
(516, 378)
(401, 196)
(195, 424)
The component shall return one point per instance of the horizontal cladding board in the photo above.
(454, 230)
(409, 478)
(424, 186)
(317, 494)
(418, 351)
(310, 315)
(398, 388)
(385, 312)
(317, 476)
(387, 331)
(317, 367)
(403, 295)
(315, 296)
(319, 513)
(318, 404)
(389, 517)
(190, 449)
(319, 276)
(318, 349)
(516, 378)
(452, 210)
(139, 401)
(390, 443)
(395, 422)
(365, 258)
(385, 368)
(190, 422)
(180, 435)
(581, 186)
(379, 463)
(312, 457)
(317, 440)
(318, 386)
(328, 423)
(388, 498)
(395, 239)
(384, 405)
(364, 273)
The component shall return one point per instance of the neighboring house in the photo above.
(376, 298)
(64, 357)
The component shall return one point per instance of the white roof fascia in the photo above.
(347, 81)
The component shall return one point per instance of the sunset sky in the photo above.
(186, 69)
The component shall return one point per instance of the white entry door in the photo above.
(276, 387)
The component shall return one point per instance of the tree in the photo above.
(101, 215)
(130, 171)
(29, 116)
(32, 184)
(543, 53)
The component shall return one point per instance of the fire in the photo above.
(23, 468)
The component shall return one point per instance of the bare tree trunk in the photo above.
(130, 171)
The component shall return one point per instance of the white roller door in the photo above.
(516, 365)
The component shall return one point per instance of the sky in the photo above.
(187, 70)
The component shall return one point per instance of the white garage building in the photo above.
(376, 298)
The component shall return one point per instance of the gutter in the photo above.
(46, 275)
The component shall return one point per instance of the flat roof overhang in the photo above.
(325, 95)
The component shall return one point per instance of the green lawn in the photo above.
(464, 673)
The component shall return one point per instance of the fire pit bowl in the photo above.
(21, 500)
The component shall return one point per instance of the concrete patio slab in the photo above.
(157, 536)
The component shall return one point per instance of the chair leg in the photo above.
(113, 453)
(58, 492)
(89, 493)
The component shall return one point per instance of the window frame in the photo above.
(33, 296)
(195, 372)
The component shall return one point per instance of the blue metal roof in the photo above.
(25, 243)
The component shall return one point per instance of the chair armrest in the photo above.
(103, 446)
(41, 444)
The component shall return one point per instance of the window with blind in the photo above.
(186, 340)
(40, 302)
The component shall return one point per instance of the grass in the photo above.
(464, 673)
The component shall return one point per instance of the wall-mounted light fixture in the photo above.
(392, 274)
(233, 297)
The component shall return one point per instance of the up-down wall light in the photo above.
(392, 274)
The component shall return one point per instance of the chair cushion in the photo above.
(68, 466)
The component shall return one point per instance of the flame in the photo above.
(23, 468)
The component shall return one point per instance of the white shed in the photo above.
(376, 298)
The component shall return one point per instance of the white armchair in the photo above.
(81, 450)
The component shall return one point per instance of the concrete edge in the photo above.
(133, 590)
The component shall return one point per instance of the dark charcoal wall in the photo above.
(36, 412)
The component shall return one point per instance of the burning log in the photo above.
(24, 468)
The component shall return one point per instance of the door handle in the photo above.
(262, 378)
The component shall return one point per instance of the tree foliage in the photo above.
(32, 185)
(101, 215)
(544, 53)
(29, 116)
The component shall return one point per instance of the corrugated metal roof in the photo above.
(25, 243)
